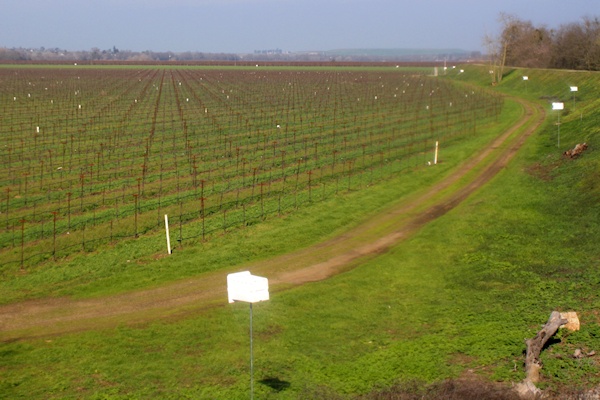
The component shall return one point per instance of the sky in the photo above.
(242, 26)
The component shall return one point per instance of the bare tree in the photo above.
(577, 45)
(530, 47)
(508, 37)
(592, 38)
(498, 46)
(521, 44)
(492, 47)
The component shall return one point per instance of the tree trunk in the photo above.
(527, 388)
(502, 62)
(536, 344)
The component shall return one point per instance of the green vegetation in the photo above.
(460, 295)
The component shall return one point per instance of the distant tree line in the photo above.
(114, 54)
(269, 51)
(521, 44)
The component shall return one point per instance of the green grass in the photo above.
(462, 294)
(445, 301)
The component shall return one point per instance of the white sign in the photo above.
(574, 88)
(243, 286)
(525, 78)
(558, 106)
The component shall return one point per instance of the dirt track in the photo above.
(47, 317)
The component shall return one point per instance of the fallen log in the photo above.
(533, 365)
(576, 151)
(536, 344)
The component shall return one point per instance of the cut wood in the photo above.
(576, 151)
(572, 320)
(527, 388)
(536, 344)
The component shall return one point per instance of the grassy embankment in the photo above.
(461, 294)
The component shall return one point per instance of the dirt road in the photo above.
(48, 317)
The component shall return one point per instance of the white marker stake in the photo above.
(168, 237)
(436, 153)
(243, 286)
(573, 90)
(558, 107)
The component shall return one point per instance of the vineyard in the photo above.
(95, 155)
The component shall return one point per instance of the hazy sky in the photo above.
(291, 25)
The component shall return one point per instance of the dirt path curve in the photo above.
(48, 317)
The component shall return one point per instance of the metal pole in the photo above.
(558, 143)
(251, 359)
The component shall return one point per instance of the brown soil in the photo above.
(53, 316)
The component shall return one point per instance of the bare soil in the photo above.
(55, 316)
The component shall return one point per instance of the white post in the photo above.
(243, 286)
(436, 153)
(168, 237)
(558, 107)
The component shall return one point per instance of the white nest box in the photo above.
(243, 286)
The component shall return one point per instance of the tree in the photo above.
(498, 46)
(521, 44)
(591, 55)
(11, 54)
(529, 46)
(577, 46)
(95, 53)
(492, 46)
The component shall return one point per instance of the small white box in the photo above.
(558, 106)
(243, 286)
